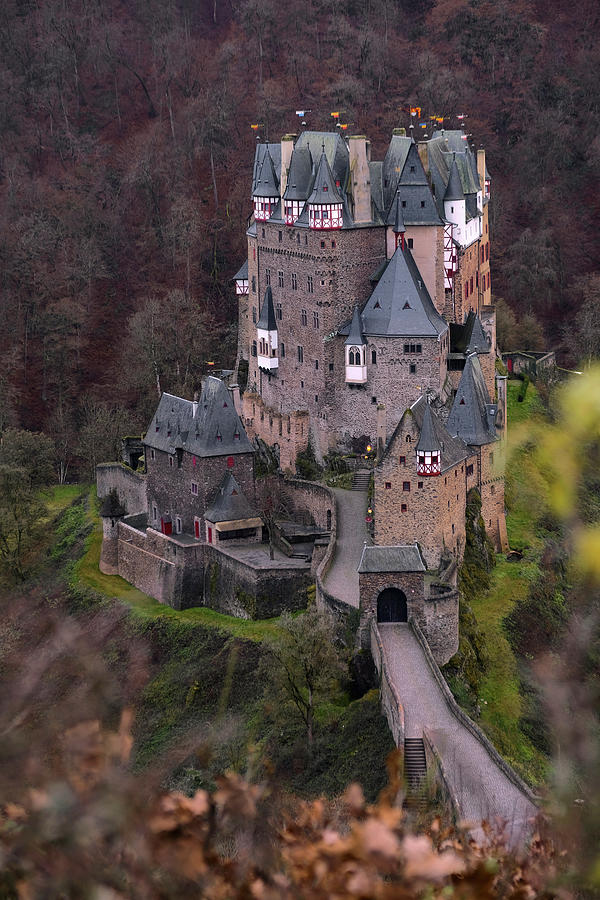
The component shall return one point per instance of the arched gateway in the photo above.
(391, 606)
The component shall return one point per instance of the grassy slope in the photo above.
(206, 678)
(501, 701)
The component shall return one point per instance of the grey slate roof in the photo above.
(395, 217)
(355, 336)
(469, 337)
(300, 174)
(267, 314)
(404, 558)
(229, 503)
(266, 183)
(413, 194)
(274, 151)
(211, 432)
(242, 273)
(393, 164)
(454, 189)
(336, 152)
(428, 439)
(443, 149)
(453, 449)
(400, 303)
(324, 187)
(472, 416)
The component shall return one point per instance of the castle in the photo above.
(365, 323)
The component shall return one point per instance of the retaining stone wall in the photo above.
(129, 485)
(390, 701)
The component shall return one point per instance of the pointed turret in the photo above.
(298, 184)
(266, 188)
(429, 448)
(396, 220)
(325, 203)
(266, 334)
(355, 347)
(454, 189)
(473, 417)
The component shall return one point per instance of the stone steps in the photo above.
(361, 480)
(415, 771)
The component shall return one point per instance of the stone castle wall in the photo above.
(129, 485)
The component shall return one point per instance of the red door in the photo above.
(209, 535)
(197, 529)
(166, 526)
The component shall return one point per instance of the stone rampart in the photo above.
(436, 773)
(390, 701)
(129, 485)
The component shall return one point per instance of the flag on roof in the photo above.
(415, 110)
(335, 115)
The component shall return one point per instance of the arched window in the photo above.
(374, 357)
(354, 356)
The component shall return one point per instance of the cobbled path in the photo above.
(342, 579)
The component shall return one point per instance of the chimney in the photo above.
(195, 405)
(237, 401)
(287, 147)
(360, 177)
(481, 167)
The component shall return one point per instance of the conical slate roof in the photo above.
(299, 175)
(454, 190)
(324, 189)
(468, 337)
(215, 430)
(395, 217)
(400, 305)
(355, 336)
(428, 440)
(229, 504)
(267, 314)
(267, 182)
(454, 449)
(478, 342)
(472, 416)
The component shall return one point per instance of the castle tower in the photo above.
(454, 201)
(429, 448)
(266, 189)
(325, 203)
(111, 512)
(266, 335)
(397, 219)
(355, 348)
(297, 184)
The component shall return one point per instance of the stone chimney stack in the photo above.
(360, 177)
(481, 167)
(195, 405)
(287, 147)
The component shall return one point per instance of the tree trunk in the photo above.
(214, 180)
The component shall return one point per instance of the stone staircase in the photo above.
(415, 771)
(361, 479)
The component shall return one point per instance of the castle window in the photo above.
(422, 204)
(152, 454)
(254, 253)
(331, 367)
(373, 399)
(294, 281)
(254, 284)
(279, 312)
(179, 452)
(388, 485)
(404, 204)
(452, 529)
(302, 384)
(253, 348)
(469, 470)
(419, 484)
(303, 317)
(236, 435)
(177, 525)
(491, 458)
(493, 489)
(280, 278)
(300, 356)
(316, 363)
(406, 486)
(413, 369)
(254, 314)
(408, 438)
(333, 245)
(230, 462)
(219, 437)
(154, 512)
(316, 398)
(282, 351)
(412, 168)
(403, 507)
(374, 357)
(402, 460)
(194, 489)
(322, 244)
(280, 236)
(170, 462)
(309, 285)
(315, 319)
(263, 232)
(487, 249)
(268, 276)
(409, 241)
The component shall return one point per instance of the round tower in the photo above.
(111, 512)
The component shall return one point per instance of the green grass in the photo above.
(86, 572)
(59, 496)
(522, 412)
